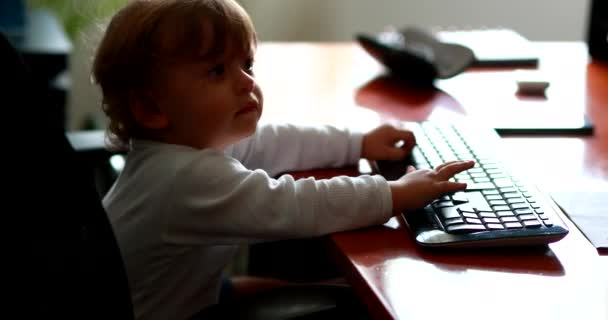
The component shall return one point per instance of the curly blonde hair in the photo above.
(147, 35)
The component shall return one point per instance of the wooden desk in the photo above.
(339, 84)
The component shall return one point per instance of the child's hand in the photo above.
(380, 143)
(417, 188)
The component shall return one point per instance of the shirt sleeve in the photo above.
(217, 200)
(281, 148)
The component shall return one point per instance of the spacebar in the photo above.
(480, 186)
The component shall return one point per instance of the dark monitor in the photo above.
(597, 32)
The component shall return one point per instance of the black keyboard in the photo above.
(498, 208)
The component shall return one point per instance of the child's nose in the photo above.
(246, 82)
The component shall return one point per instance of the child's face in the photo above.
(210, 104)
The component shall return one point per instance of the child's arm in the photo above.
(214, 199)
(282, 148)
(278, 149)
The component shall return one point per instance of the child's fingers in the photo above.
(450, 187)
(443, 165)
(410, 169)
(408, 138)
(451, 169)
(449, 163)
(392, 153)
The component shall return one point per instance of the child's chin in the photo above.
(248, 130)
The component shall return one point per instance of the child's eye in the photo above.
(248, 66)
(217, 70)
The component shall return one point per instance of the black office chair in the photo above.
(66, 261)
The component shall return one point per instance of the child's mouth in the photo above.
(251, 105)
(247, 110)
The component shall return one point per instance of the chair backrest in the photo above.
(67, 262)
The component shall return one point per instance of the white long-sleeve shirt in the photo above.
(178, 212)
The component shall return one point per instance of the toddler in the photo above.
(180, 93)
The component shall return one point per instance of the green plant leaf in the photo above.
(77, 14)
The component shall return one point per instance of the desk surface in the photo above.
(339, 84)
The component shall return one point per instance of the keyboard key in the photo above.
(497, 176)
(520, 206)
(494, 197)
(442, 204)
(532, 223)
(480, 186)
(483, 207)
(465, 228)
(508, 219)
(488, 192)
(448, 213)
(513, 225)
(502, 183)
(464, 154)
(511, 195)
(480, 203)
(489, 166)
(505, 213)
(460, 198)
(486, 214)
(469, 215)
(501, 208)
(494, 171)
(472, 221)
(453, 221)
(525, 217)
(522, 211)
(497, 203)
(467, 181)
(515, 200)
(491, 220)
(494, 226)
(543, 216)
(479, 175)
(462, 175)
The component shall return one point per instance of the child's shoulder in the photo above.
(172, 158)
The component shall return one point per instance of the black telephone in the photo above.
(416, 55)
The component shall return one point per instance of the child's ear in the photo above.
(146, 111)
